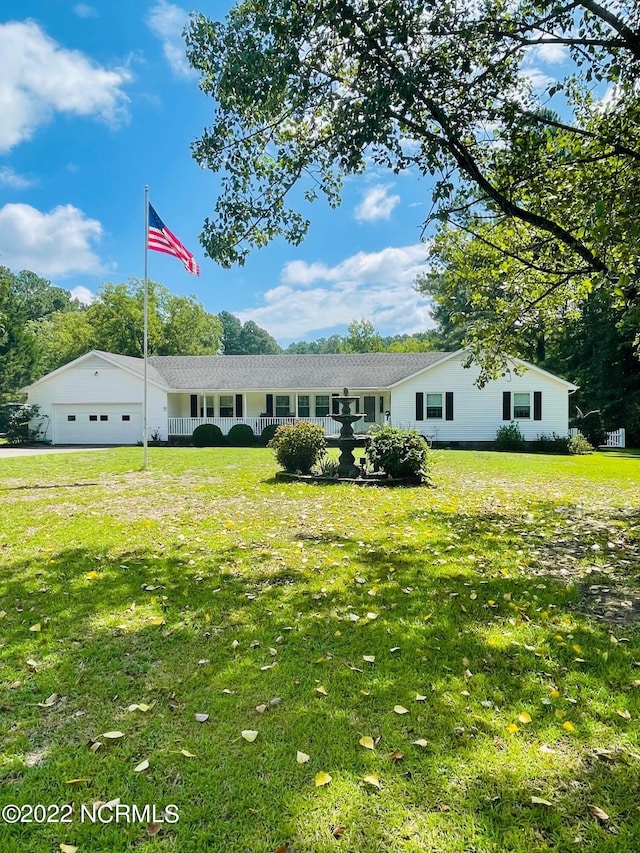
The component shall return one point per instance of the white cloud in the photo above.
(82, 10)
(551, 54)
(167, 21)
(11, 179)
(54, 244)
(376, 204)
(537, 79)
(83, 295)
(376, 285)
(38, 78)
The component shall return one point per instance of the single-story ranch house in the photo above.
(97, 399)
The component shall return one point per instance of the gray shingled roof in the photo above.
(286, 372)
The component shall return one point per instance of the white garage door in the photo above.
(112, 423)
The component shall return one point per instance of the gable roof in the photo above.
(361, 371)
(291, 372)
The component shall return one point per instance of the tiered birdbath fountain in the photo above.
(346, 439)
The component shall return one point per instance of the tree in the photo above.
(245, 339)
(257, 341)
(18, 356)
(363, 337)
(231, 332)
(178, 325)
(309, 92)
(61, 337)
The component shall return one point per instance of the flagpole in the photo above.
(145, 401)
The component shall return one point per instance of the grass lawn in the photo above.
(460, 664)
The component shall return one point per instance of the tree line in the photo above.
(42, 327)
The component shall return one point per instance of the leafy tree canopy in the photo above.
(307, 92)
(245, 339)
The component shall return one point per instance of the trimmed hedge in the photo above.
(267, 433)
(240, 435)
(207, 435)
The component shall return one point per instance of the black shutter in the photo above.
(506, 405)
(448, 404)
(269, 405)
(419, 406)
(194, 405)
(238, 405)
(537, 405)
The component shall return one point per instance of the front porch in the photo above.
(180, 427)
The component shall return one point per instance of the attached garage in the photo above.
(101, 423)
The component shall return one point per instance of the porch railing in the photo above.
(186, 426)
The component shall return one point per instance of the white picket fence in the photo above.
(614, 439)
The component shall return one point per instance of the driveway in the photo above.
(7, 451)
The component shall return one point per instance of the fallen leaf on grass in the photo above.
(302, 757)
(623, 713)
(113, 735)
(421, 742)
(322, 778)
(78, 780)
(141, 706)
(322, 690)
(153, 829)
(37, 627)
(139, 768)
(186, 753)
(49, 702)
(400, 709)
(420, 697)
(338, 831)
(524, 717)
(202, 718)
(261, 708)
(249, 735)
(396, 755)
(512, 728)
(92, 575)
(599, 813)
(284, 848)
(68, 848)
(369, 658)
(569, 726)
(370, 779)
(367, 742)
(540, 801)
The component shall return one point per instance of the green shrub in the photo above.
(509, 438)
(298, 446)
(592, 428)
(398, 453)
(329, 467)
(579, 446)
(551, 444)
(267, 433)
(22, 423)
(240, 435)
(207, 435)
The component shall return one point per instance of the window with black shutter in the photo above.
(506, 405)
(448, 399)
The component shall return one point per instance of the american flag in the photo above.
(160, 239)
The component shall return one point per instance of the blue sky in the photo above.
(97, 99)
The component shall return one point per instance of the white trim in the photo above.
(98, 354)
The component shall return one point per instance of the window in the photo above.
(209, 411)
(303, 406)
(282, 405)
(93, 417)
(322, 405)
(226, 405)
(126, 417)
(522, 405)
(434, 405)
(104, 417)
(71, 417)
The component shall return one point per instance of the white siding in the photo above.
(477, 412)
(98, 383)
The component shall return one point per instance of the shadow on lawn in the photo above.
(241, 626)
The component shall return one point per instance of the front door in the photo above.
(369, 410)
